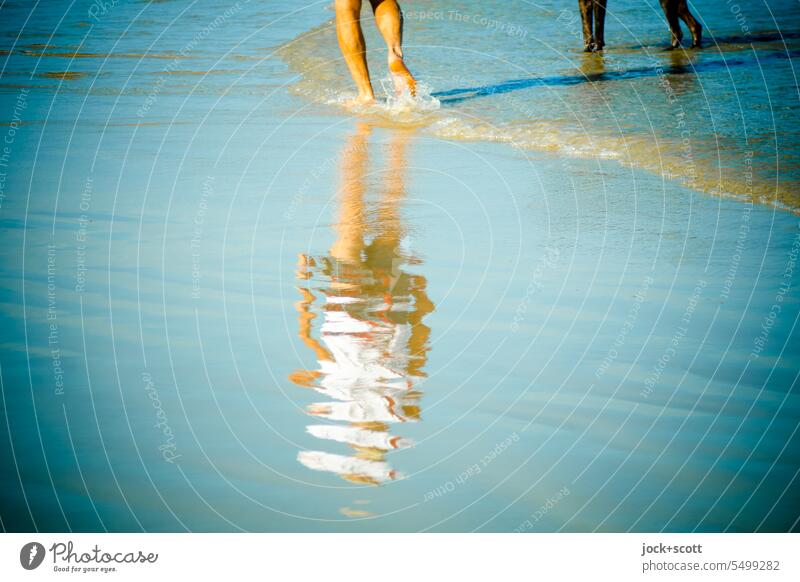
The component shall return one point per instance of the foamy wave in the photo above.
(698, 174)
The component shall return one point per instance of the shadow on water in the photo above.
(459, 95)
(371, 344)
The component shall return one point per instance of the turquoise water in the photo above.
(230, 304)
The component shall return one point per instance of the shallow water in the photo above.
(227, 303)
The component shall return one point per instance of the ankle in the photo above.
(395, 54)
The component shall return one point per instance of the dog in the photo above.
(674, 10)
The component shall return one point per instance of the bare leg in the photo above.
(389, 20)
(670, 8)
(694, 26)
(586, 19)
(351, 43)
(599, 24)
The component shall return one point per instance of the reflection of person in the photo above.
(372, 343)
(389, 20)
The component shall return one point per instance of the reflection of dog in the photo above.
(674, 10)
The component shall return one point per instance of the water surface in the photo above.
(229, 304)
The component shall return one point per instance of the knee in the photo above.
(351, 8)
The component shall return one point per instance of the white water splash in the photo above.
(401, 108)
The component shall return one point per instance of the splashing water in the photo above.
(396, 107)
(403, 101)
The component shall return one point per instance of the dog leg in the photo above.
(599, 24)
(586, 19)
(670, 8)
(694, 27)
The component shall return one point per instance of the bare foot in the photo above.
(365, 99)
(402, 77)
